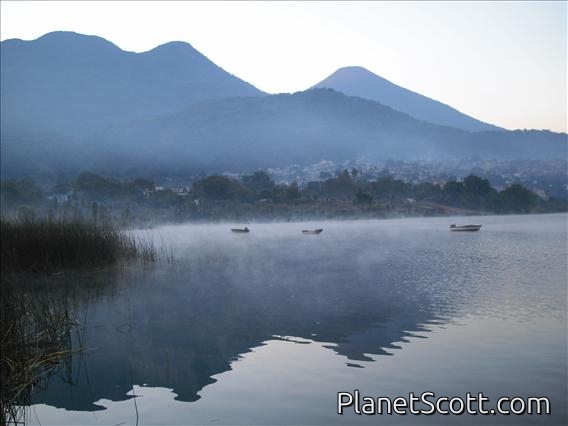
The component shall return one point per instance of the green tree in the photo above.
(286, 193)
(293, 191)
(478, 193)
(476, 186)
(518, 199)
(389, 188)
(217, 187)
(363, 198)
(453, 189)
(427, 191)
(258, 182)
(340, 187)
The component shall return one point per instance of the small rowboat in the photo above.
(240, 230)
(312, 231)
(465, 228)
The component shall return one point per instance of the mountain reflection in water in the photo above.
(360, 288)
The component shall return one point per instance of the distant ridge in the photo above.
(72, 102)
(303, 127)
(75, 84)
(358, 81)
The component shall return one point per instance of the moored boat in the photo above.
(312, 231)
(466, 228)
(240, 230)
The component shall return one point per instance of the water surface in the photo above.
(267, 327)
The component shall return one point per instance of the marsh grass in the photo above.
(36, 341)
(44, 245)
(36, 324)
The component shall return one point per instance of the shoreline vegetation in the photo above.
(36, 325)
(141, 202)
(36, 343)
(44, 245)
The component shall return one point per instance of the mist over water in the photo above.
(267, 327)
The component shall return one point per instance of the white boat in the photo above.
(465, 228)
(312, 231)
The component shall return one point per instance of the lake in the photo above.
(267, 327)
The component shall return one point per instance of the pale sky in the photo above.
(503, 63)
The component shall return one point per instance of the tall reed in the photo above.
(44, 245)
(35, 332)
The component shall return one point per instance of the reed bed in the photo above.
(36, 341)
(44, 245)
(36, 325)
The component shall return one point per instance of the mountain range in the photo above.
(246, 133)
(71, 102)
(358, 81)
(75, 84)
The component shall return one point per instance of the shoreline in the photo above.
(265, 221)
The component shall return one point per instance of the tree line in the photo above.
(94, 197)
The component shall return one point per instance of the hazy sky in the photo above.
(504, 63)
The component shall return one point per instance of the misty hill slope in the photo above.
(358, 81)
(242, 133)
(74, 84)
(277, 130)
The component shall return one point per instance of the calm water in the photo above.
(266, 328)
